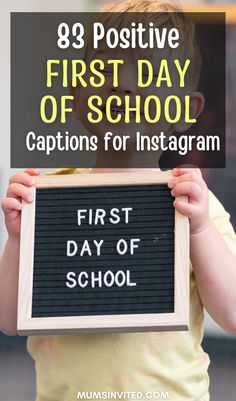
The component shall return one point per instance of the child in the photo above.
(148, 363)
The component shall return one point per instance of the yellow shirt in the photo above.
(172, 362)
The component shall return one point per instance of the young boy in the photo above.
(149, 363)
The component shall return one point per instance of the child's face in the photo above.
(128, 87)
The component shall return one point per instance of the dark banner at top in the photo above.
(117, 90)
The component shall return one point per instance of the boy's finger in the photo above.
(20, 191)
(32, 171)
(191, 189)
(22, 178)
(190, 176)
(187, 209)
(183, 170)
(10, 204)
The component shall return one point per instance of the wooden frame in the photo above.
(129, 322)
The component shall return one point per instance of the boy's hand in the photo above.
(189, 181)
(18, 190)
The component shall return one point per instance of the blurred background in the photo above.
(17, 377)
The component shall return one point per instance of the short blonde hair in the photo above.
(171, 16)
(143, 6)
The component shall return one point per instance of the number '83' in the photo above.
(64, 33)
